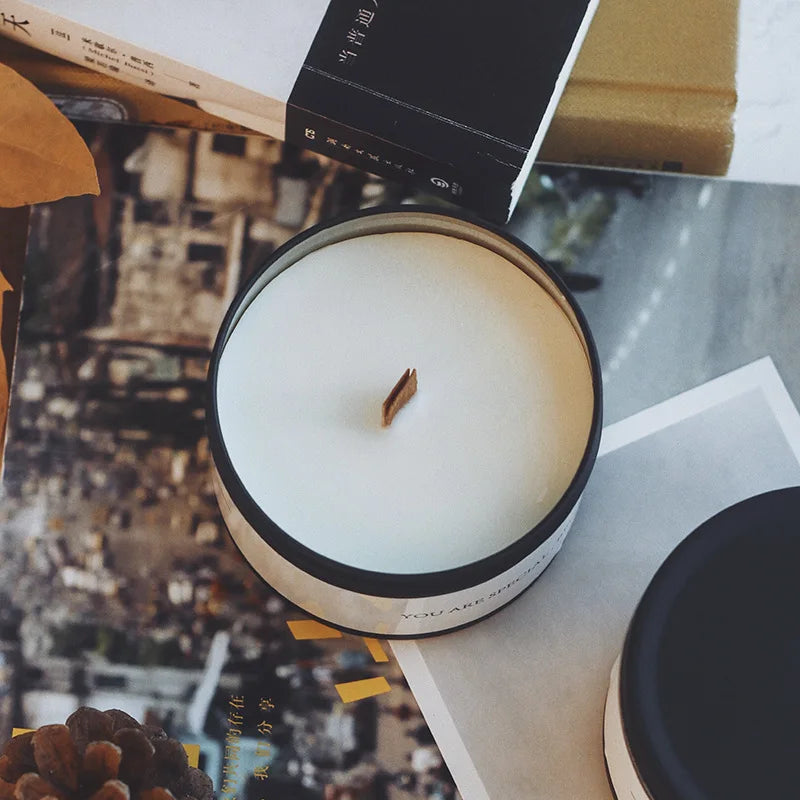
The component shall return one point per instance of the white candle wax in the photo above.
(477, 458)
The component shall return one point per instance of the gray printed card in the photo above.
(516, 701)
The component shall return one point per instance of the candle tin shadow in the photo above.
(703, 700)
(386, 603)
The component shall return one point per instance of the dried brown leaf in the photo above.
(42, 156)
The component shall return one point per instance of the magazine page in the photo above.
(516, 702)
(120, 586)
(13, 236)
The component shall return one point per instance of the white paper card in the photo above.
(516, 701)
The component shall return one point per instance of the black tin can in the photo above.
(704, 701)
(397, 602)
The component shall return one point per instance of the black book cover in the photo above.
(454, 97)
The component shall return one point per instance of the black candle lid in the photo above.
(710, 673)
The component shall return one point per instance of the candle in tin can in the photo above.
(435, 509)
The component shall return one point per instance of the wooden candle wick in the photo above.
(402, 392)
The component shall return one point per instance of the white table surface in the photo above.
(767, 119)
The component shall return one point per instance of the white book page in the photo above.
(516, 701)
(258, 44)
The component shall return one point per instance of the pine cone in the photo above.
(99, 755)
